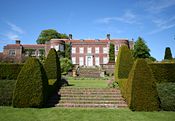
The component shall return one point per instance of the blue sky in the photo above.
(154, 20)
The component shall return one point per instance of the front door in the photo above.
(89, 61)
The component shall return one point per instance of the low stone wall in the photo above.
(108, 68)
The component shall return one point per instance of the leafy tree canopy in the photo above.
(112, 53)
(141, 50)
(48, 34)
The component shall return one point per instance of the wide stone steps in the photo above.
(88, 97)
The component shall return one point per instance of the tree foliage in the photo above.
(141, 50)
(48, 34)
(66, 65)
(68, 50)
(31, 86)
(52, 65)
(168, 54)
(111, 53)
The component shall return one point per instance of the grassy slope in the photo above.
(94, 83)
(60, 114)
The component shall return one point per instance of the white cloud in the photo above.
(12, 36)
(15, 28)
(163, 24)
(157, 6)
(128, 17)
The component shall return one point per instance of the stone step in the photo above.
(91, 102)
(92, 98)
(90, 95)
(67, 89)
(92, 105)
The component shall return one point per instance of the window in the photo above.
(81, 61)
(73, 50)
(61, 47)
(56, 47)
(81, 50)
(12, 53)
(97, 50)
(73, 60)
(117, 47)
(89, 50)
(105, 50)
(105, 60)
(97, 61)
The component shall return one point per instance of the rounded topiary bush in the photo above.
(124, 63)
(141, 90)
(31, 85)
(52, 65)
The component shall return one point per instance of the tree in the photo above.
(111, 53)
(168, 55)
(66, 65)
(48, 34)
(141, 50)
(52, 65)
(31, 86)
(68, 50)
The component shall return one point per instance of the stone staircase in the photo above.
(88, 98)
(89, 72)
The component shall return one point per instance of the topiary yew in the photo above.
(141, 90)
(124, 63)
(52, 65)
(31, 85)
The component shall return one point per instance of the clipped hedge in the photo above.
(141, 90)
(52, 65)
(6, 92)
(31, 85)
(9, 71)
(163, 72)
(124, 63)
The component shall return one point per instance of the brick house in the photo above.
(83, 52)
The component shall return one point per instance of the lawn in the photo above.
(88, 82)
(77, 114)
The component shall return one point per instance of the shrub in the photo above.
(111, 53)
(141, 88)
(31, 85)
(166, 93)
(163, 72)
(52, 65)
(6, 92)
(168, 55)
(10, 71)
(124, 63)
(66, 65)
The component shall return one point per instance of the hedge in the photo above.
(141, 90)
(10, 71)
(124, 63)
(163, 72)
(31, 86)
(52, 65)
(6, 92)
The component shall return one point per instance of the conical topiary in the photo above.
(168, 54)
(31, 85)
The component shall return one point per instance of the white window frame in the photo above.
(105, 60)
(97, 50)
(89, 50)
(81, 61)
(73, 50)
(81, 50)
(105, 50)
(97, 61)
(73, 60)
(12, 52)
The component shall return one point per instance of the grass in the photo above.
(88, 82)
(77, 114)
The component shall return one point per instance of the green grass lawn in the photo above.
(88, 82)
(77, 114)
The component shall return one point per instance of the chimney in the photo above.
(18, 41)
(70, 36)
(108, 36)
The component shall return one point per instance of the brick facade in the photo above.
(83, 52)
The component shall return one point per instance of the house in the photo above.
(84, 52)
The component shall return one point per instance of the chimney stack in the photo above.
(70, 36)
(18, 41)
(108, 36)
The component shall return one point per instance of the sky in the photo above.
(153, 20)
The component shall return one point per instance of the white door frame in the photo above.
(89, 60)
